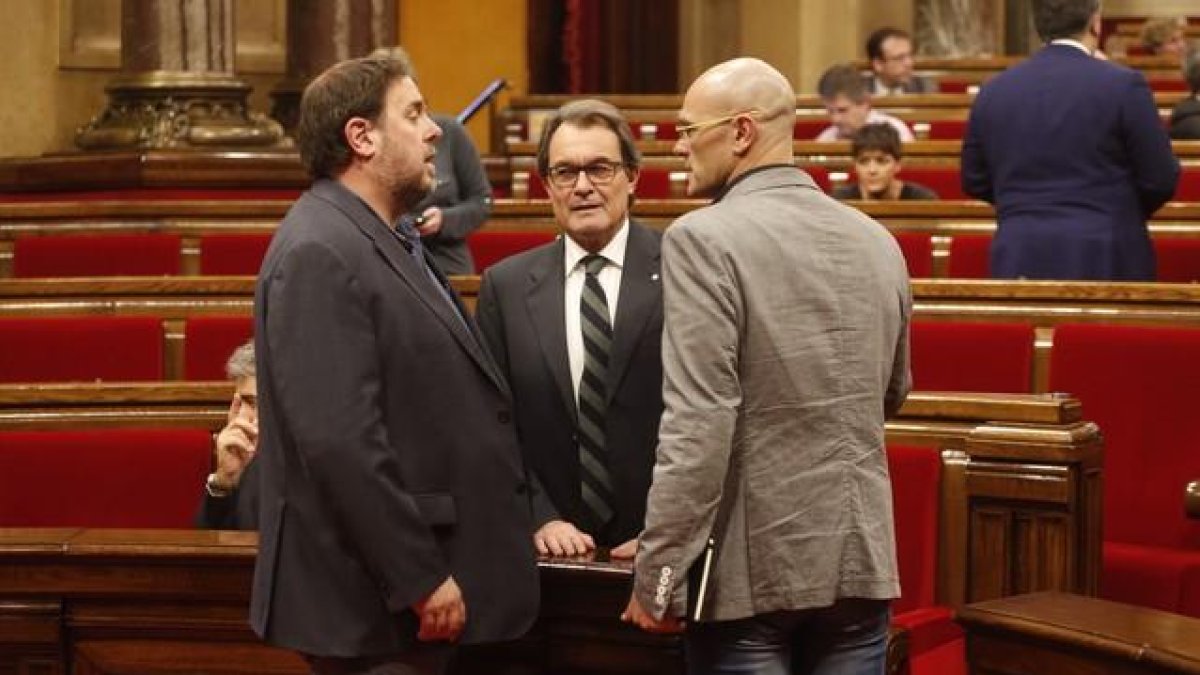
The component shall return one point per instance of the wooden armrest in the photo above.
(1191, 499)
(897, 650)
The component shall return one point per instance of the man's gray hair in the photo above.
(241, 362)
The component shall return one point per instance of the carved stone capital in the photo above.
(168, 109)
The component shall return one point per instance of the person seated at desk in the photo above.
(877, 157)
(890, 51)
(1185, 117)
(848, 103)
(230, 500)
(1164, 36)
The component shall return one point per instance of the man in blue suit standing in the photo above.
(1071, 151)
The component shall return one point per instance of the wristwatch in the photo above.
(214, 489)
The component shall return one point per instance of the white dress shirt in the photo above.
(610, 281)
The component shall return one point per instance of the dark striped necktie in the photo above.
(596, 483)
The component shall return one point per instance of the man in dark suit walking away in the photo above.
(1072, 152)
(394, 516)
(576, 325)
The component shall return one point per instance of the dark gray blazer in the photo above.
(387, 455)
(520, 312)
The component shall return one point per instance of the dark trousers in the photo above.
(847, 638)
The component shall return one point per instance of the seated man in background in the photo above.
(890, 51)
(576, 327)
(1185, 117)
(848, 103)
(877, 156)
(1164, 36)
(230, 499)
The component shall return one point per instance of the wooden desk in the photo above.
(1071, 634)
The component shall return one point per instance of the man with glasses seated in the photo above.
(890, 51)
(575, 325)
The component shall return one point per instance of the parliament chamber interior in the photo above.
(1042, 469)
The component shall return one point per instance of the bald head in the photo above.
(737, 116)
(748, 84)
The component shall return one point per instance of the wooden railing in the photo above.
(1019, 508)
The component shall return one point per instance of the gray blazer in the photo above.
(785, 346)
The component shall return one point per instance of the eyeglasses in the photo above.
(689, 131)
(599, 173)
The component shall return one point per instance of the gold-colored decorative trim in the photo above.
(164, 109)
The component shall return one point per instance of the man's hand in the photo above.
(641, 618)
(431, 223)
(443, 613)
(236, 444)
(625, 551)
(560, 538)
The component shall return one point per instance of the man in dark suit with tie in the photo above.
(1072, 152)
(394, 512)
(576, 326)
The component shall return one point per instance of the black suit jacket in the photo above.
(520, 312)
(387, 456)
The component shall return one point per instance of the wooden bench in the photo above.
(1064, 633)
(1009, 463)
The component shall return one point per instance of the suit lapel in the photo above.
(637, 303)
(544, 301)
(409, 270)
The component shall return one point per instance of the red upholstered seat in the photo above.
(918, 253)
(208, 342)
(1139, 385)
(970, 256)
(991, 357)
(102, 478)
(808, 128)
(1167, 84)
(233, 254)
(488, 247)
(1188, 189)
(88, 348)
(936, 644)
(947, 130)
(1178, 259)
(950, 85)
(944, 180)
(96, 255)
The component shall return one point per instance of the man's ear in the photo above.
(360, 137)
(745, 131)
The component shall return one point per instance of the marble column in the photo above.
(177, 87)
(956, 28)
(323, 32)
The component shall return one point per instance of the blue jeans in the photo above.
(846, 638)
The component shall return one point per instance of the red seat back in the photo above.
(102, 478)
(947, 130)
(488, 248)
(944, 180)
(970, 257)
(63, 349)
(982, 357)
(917, 248)
(96, 255)
(1188, 189)
(208, 342)
(233, 254)
(808, 128)
(916, 474)
(1178, 259)
(1139, 384)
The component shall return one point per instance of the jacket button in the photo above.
(504, 416)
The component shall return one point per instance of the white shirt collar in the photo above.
(614, 252)
(1073, 43)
